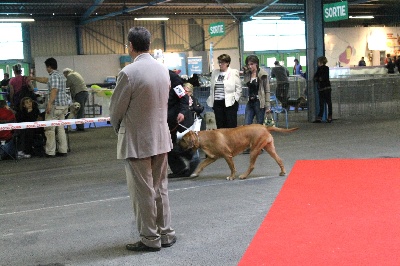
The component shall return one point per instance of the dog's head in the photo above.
(188, 141)
(75, 106)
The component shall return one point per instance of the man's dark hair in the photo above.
(6, 75)
(140, 38)
(51, 62)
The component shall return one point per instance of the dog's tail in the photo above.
(285, 130)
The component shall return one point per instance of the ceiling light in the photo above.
(268, 17)
(16, 19)
(151, 18)
(362, 17)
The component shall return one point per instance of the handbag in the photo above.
(195, 127)
(269, 121)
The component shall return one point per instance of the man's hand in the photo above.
(180, 118)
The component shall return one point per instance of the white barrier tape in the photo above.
(52, 123)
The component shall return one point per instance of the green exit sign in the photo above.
(217, 29)
(336, 11)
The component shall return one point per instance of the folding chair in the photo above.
(276, 108)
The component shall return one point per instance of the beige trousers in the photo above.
(56, 134)
(147, 181)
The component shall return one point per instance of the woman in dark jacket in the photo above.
(31, 139)
(390, 66)
(324, 89)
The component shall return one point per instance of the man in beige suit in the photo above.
(138, 113)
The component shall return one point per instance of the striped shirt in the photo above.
(58, 81)
(219, 92)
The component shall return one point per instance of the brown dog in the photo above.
(228, 142)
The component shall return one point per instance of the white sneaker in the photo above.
(22, 155)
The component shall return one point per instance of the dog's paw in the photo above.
(230, 178)
(194, 175)
(242, 176)
(282, 173)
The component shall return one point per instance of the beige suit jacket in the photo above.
(138, 109)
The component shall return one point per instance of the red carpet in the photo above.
(333, 212)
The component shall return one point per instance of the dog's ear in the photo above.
(188, 139)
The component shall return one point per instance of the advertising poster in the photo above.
(195, 65)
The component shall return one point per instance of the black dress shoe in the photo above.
(167, 245)
(59, 154)
(173, 175)
(140, 247)
(49, 156)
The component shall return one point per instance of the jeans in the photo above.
(253, 109)
(325, 99)
(9, 148)
(81, 98)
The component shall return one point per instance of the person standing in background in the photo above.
(79, 93)
(5, 81)
(257, 81)
(225, 93)
(390, 66)
(297, 69)
(56, 109)
(362, 62)
(282, 79)
(4, 87)
(387, 58)
(397, 63)
(324, 89)
(138, 114)
(17, 85)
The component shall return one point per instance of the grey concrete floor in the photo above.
(76, 210)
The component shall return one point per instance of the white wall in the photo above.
(348, 45)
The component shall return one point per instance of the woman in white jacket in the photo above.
(225, 92)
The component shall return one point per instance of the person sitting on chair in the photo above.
(8, 148)
(32, 139)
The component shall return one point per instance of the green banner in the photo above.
(217, 29)
(336, 11)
